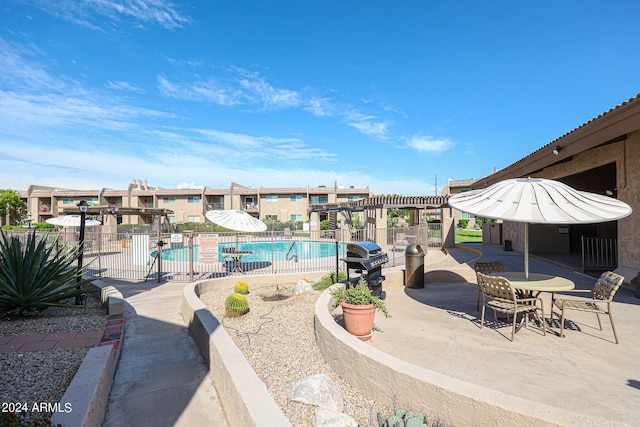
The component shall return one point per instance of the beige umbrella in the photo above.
(539, 201)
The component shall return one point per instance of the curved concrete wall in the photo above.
(383, 377)
(88, 392)
(244, 397)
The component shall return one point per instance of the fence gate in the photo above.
(599, 254)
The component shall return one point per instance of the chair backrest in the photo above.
(496, 287)
(607, 285)
(488, 267)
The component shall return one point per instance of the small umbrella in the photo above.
(539, 201)
(72, 221)
(235, 220)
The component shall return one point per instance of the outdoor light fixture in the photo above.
(556, 150)
(83, 206)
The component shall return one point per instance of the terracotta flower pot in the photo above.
(358, 319)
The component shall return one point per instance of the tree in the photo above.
(11, 204)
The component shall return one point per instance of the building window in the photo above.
(172, 218)
(319, 199)
(271, 199)
(466, 215)
(193, 199)
(92, 201)
(295, 217)
(168, 200)
(193, 218)
(295, 198)
(67, 201)
(353, 198)
(271, 217)
(250, 203)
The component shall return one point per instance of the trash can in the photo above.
(414, 267)
(507, 245)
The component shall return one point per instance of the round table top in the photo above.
(536, 281)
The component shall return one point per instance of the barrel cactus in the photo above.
(236, 305)
(241, 288)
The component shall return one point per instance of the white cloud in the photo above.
(248, 89)
(124, 86)
(155, 12)
(18, 68)
(320, 107)
(259, 91)
(189, 186)
(209, 91)
(429, 144)
(367, 124)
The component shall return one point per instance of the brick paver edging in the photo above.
(111, 335)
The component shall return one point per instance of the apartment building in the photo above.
(135, 204)
(456, 187)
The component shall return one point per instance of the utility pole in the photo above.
(436, 185)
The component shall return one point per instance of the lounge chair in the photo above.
(605, 288)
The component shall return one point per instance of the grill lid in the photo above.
(364, 250)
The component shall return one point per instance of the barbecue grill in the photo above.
(367, 259)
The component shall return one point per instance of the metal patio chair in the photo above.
(603, 291)
(499, 295)
(486, 268)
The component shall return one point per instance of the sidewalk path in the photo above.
(161, 378)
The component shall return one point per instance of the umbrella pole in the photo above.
(526, 251)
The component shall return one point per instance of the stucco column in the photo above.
(448, 228)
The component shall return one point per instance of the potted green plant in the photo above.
(359, 307)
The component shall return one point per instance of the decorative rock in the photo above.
(327, 418)
(301, 287)
(318, 390)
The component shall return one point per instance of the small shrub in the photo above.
(236, 305)
(241, 288)
(463, 223)
(329, 280)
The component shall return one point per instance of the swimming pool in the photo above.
(276, 250)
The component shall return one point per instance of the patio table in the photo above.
(535, 284)
(235, 257)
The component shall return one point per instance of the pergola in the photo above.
(375, 209)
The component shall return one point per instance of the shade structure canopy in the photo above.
(72, 221)
(236, 220)
(539, 201)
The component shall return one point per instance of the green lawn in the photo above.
(468, 236)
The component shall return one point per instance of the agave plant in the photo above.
(33, 278)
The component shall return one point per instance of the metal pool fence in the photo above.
(193, 256)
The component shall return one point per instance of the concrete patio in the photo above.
(585, 375)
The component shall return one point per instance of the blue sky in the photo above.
(292, 93)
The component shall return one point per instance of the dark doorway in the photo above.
(600, 180)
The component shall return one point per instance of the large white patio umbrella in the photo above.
(539, 201)
(72, 221)
(236, 220)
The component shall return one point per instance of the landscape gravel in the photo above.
(33, 378)
(277, 338)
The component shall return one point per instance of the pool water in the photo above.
(283, 250)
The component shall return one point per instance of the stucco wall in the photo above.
(626, 155)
